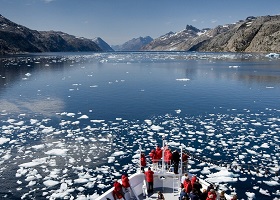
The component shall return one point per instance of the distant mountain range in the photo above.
(15, 38)
(254, 34)
(134, 44)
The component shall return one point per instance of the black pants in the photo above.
(176, 167)
(150, 187)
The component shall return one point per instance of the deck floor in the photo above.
(167, 192)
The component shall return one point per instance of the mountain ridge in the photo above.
(254, 34)
(15, 38)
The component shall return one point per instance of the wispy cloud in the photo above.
(213, 21)
(194, 20)
(48, 1)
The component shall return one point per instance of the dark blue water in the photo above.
(221, 105)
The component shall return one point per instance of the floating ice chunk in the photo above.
(233, 66)
(97, 121)
(178, 111)
(156, 128)
(81, 180)
(39, 146)
(118, 153)
(4, 140)
(50, 183)
(250, 195)
(205, 170)
(222, 176)
(265, 192)
(111, 159)
(149, 122)
(27, 74)
(271, 183)
(83, 117)
(34, 163)
(57, 152)
(272, 55)
(182, 79)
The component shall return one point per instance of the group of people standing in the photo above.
(190, 187)
(169, 158)
(191, 190)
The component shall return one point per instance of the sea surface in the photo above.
(71, 123)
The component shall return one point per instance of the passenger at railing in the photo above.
(158, 153)
(211, 186)
(234, 197)
(183, 195)
(211, 195)
(143, 162)
(196, 185)
(194, 195)
(175, 161)
(153, 157)
(188, 185)
(183, 179)
(185, 158)
(167, 158)
(203, 195)
(160, 196)
(150, 180)
(117, 192)
(222, 196)
(126, 186)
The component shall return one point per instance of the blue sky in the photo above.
(117, 21)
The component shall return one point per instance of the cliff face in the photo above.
(134, 44)
(15, 38)
(261, 34)
(255, 34)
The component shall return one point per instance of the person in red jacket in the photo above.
(158, 153)
(117, 192)
(126, 186)
(188, 185)
(193, 180)
(211, 195)
(150, 180)
(153, 157)
(143, 162)
(167, 158)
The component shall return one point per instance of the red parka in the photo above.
(211, 195)
(167, 156)
(149, 176)
(158, 153)
(125, 181)
(117, 186)
(188, 186)
(143, 160)
(153, 156)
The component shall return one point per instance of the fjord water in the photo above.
(72, 122)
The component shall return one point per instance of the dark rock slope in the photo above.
(15, 38)
(254, 34)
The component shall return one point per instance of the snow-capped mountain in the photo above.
(102, 44)
(134, 44)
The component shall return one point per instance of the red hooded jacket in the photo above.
(149, 176)
(125, 181)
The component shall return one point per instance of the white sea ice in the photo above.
(57, 152)
(4, 140)
(83, 117)
(182, 79)
(271, 183)
(156, 128)
(50, 183)
(250, 195)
